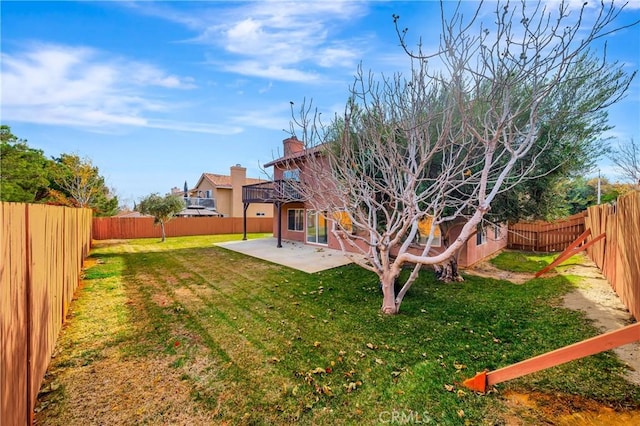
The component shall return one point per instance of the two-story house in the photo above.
(222, 194)
(296, 220)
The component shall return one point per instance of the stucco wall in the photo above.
(223, 201)
(287, 234)
(265, 210)
(473, 253)
(470, 254)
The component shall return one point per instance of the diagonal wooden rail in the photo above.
(594, 345)
(573, 248)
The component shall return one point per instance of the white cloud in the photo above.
(270, 71)
(273, 39)
(148, 75)
(75, 116)
(215, 129)
(273, 118)
(266, 89)
(337, 56)
(592, 4)
(83, 87)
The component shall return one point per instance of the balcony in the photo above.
(271, 192)
(203, 203)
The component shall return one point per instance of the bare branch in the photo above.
(443, 142)
(627, 161)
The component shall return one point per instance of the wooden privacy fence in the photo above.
(618, 255)
(106, 228)
(43, 248)
(546, 236)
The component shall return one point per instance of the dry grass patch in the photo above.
(121, 391)
(93, 379)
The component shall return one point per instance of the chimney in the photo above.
(292, 146)
(238, 179)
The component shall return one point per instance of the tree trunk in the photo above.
(163, 235)
(448, 271)
(388, 295)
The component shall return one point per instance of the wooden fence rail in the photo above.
(105, 228)
(42, 250)
(546, 236)
(618, 255)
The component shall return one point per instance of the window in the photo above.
(496, 232)
(481, 235)
(295, 219)
(291, 174)
(207, 193)
(260, 214)
(342, 221)
(424, 230)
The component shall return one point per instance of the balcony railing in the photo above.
(270, 192)
(195, 202)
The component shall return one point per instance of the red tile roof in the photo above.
(224, 181)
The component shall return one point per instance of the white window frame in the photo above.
(315, 216)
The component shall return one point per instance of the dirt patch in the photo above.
(599, 302)
(161, 299)
(487, 270)
(563, 410)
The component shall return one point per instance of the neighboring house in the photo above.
(221, 195)
(295, 220)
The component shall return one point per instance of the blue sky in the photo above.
(156, 93)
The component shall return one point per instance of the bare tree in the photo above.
(442, 143)
(627, 161)
(79, 178)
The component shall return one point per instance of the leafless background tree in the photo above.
(80, 178)
(627, 160)
(442, 142)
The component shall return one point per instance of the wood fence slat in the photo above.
(546, 236)
(629, 251)
(105, 228)
(618, 257)
(41, 256)
(13, 321)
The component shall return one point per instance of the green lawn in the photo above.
(516, 261)
(257, 343)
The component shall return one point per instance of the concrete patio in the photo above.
(294, 255)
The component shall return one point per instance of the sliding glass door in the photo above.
(316, 227)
